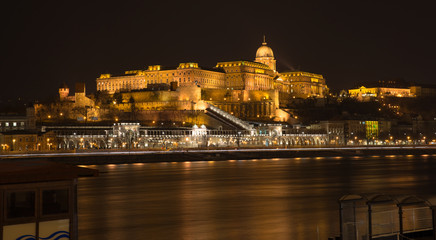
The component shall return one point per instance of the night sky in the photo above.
(46, 43)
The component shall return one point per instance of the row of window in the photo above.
(27, 139)
(11, 124)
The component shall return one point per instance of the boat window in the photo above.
(20, 204)
(55, 201)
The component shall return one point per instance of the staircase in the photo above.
(227, 118)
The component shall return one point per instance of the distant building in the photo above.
(15, 122)
(79, 106)
(423, 90)
(303, 84)
(64, 93)
(354, 131)
(392, 88)
(364, 93)
(79, 98)
(186, 74)
(27, 141)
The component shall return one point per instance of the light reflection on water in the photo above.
(265, 199)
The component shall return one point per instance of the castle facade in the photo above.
(260, 74)
(249, 90)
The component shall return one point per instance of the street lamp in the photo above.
(13, 144)
(49, 144)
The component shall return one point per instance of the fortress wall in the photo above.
(188, 117)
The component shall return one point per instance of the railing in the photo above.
(230, 117)
(402, 237)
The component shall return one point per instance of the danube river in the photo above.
(293, 198)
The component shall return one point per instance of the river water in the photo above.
(295, 198)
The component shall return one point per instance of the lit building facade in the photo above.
(423, 90)
(303, 84)
(364, 92)
(233, 75)
(251, 90)
(27, 141)
(245, 75)
(186, 74)
(18, 122)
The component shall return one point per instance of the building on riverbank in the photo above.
(135, 136)
(24, 120)
(251, 90)
(26, 141)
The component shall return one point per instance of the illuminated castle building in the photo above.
(381, 89)
(239, 75)
(246, 89)
(187, 74)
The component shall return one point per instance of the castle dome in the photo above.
(264, 51)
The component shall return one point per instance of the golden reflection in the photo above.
(285, 200)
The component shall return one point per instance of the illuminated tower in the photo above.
(64, 91)
(265, 55)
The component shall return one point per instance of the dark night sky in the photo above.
(46, 43)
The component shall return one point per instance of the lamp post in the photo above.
(13, 144)
(49, 144)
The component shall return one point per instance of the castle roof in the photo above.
(264, 50)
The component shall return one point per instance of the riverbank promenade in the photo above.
(178, 155)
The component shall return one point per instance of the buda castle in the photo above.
(251, 90)
(233, 75)
(248, 90)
